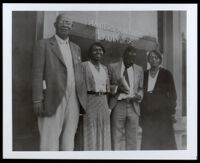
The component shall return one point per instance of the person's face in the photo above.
(154, 60)
(96, 53)
(129, 59)
(63, 26)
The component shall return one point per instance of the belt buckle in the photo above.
(98, 93)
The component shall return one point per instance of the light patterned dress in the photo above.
(96, 120)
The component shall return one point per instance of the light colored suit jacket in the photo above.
(49, 66)
(85, 82)
(114, 71)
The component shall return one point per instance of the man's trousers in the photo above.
(124, 124)
(58, 131)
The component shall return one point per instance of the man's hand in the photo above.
(109, 111)
(137, 97)
(38, 108)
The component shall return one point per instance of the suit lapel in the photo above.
(146, 78)
(56, 50)
(135, 75)
(73, 53)
(158, 79)
(119, 69)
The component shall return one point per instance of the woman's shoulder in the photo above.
(165, 71)
(165, 74)
(83, 63)
(82, 66)
(104, 67)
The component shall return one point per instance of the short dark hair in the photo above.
(96, 44)
(157, 53)
(60, 15)
(129, 49)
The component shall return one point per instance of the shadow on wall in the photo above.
(25, 133)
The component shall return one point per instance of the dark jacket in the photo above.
(157, 109)
(164, 94)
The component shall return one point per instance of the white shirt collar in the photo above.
(61, 41)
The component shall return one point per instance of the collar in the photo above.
(90, 62)
(61, 41)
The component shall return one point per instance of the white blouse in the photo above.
(152, 81)
(100, 78)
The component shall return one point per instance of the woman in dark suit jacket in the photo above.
(158, 107)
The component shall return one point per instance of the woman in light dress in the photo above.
(92, 84)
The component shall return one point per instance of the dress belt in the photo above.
(97, 93)
(127, 100)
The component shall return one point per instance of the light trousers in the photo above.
(124, 126)
(58, 131)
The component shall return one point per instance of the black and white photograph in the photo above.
(100, 81)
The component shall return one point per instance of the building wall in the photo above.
(174, 59)
(25, 135)
(31, 26)
(142, 23)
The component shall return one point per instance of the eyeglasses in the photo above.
(153, 57)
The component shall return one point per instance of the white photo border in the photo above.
(190, 153)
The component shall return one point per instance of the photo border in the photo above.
(190, 153)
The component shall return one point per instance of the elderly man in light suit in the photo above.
(126, 82)
(53, 88)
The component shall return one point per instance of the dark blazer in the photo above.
(164, 93)
(85, 82)
(157, 109)
(49, 66)
(114, 70)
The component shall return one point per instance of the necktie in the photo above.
(126, 76)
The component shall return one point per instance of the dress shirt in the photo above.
(67, 56)
(131, 81)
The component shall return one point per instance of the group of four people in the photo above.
(114, 100)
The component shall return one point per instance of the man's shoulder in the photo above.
(74, 44)
(114, 65)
